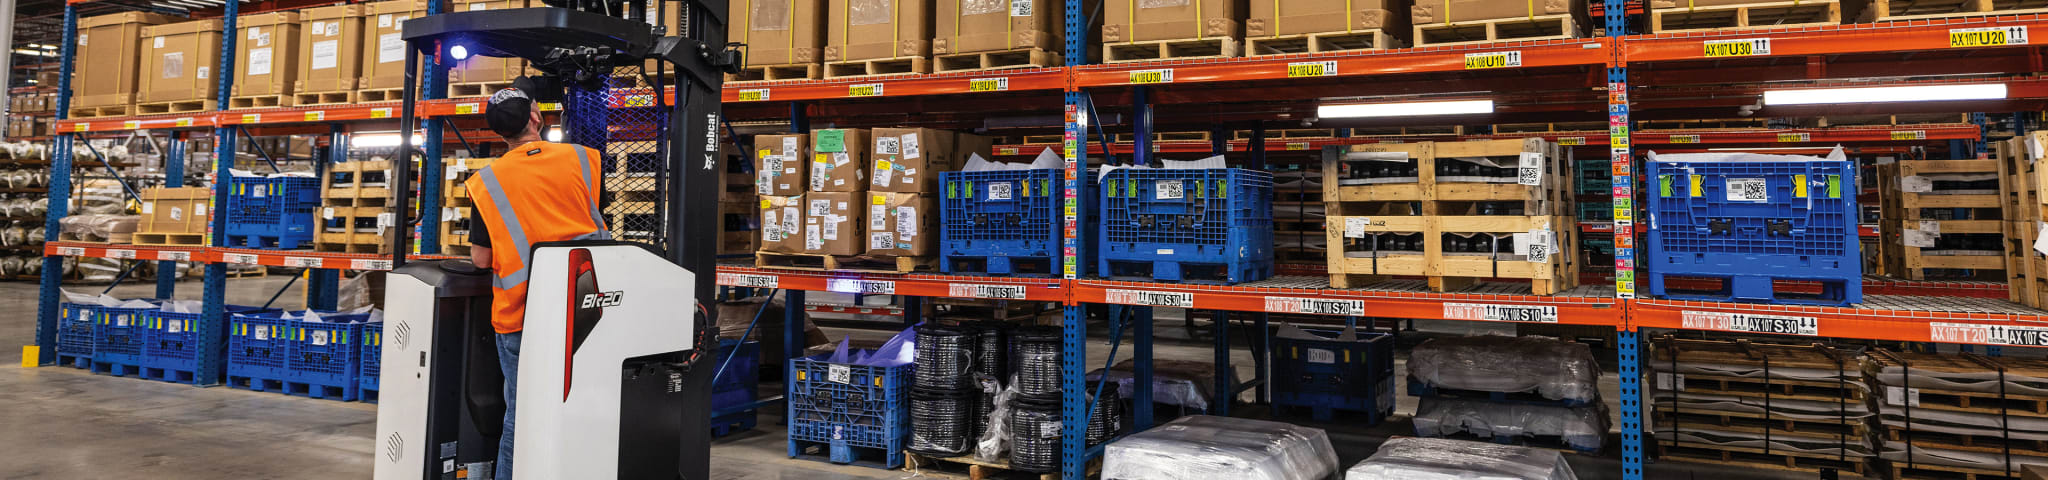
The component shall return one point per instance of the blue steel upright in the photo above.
(60, 199)
(1074, 407)
(174, 177)
(1622, 200)
(213, 323)
(433, 86)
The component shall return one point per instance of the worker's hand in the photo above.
(481, 256)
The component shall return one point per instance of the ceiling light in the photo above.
(1453, 107)
(1916, 93)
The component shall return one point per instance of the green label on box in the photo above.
(831, 141)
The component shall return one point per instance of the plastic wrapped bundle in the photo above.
(16, 208)
(1187, 384)
(34, 236)
(1442, 459)
(1582, 428)
(1202, 447)
(13, 236)
(10, 266)
(32, 266)
(39, 207)
(1555, 369)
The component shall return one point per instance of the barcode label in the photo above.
(1317, 355)
(239, 258)
(1748, 190)
(1168, 190)
(304, 262)
(839, 374)
(123, 254)
(1000, 190)
(747, 280)
(172, 255)
(369, 264)
(70, 252)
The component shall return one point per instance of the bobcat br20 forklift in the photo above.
(615, 365)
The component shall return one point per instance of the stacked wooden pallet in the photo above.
(1943, 219)
(1781, 407)
(457, 204)
(1487, 209)
(2026, 218)
(356, 209)
(1960, 415)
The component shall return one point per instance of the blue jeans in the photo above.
(508, 360)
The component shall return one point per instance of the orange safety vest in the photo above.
(550, 200)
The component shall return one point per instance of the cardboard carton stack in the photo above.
(480, 75)
(331, 51)
(180, 62)
(267, 56)
(104, 81)
(1308, 26)
(1163, 29)
(1450, 22)
(383, 48)
(174, 216)
(853, 198)
(877, 37)
(785, 38)
(979, 35)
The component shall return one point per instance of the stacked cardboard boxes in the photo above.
(331, 51)
(383, 48)
(179, 65)
(104, 81)
(1298, 26)
(174, 216)
(1450, 22)
(1162, 29)
(785, 39)
(267, 56)
(975, 35)
(834, 194)
(877, 37)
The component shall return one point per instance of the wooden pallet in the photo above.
(257, 272)
(475, 89)
(1212, 47)
(2020, 181)
(357, 184)
(1896, 10)
(1370, 39)
(1757, 458)
(1986, 443)
(1540, 27)
(102, 111)
(1923, 471)
(878, 66)
(181, 106)
(368, 95)
(1287, 133)
(1000, 59)
(170, 239)
(353, 230)
(1748, 16)
(1742, 352)
(1850, 429)
(1196, 136)
(306, 99)
(845, 263)
(260, 101)
(970, 468)
(1987, 403)
(790, 71)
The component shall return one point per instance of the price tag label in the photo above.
(1311, 69)
(865, 287)
(173, 255)
(1909, 135)
(1795, 137)
(239, 258)
(1001, 292)
(121, 253)
(992, 84)
(385, 112)
(1738, 48)
(316, 115)
(1986, 37)
(252, 118)
(753, 94)
(465, 108)
(748, 280)
(70, 252)
(184, 122)
(1298, 146)
(639, 101)
(864, 90)
(131, 125)
(305, 262)
(369, 264)
(1485, 60)
(1685, 139)
(1143, 77)
(1571, 140)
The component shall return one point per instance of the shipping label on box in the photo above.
(908, 160)
(781, 165)
(901, 223)
(838, 160)
(835, 223)
(782, 223)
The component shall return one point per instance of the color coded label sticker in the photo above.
(1149, 298)
(991, 84)
(385, 112)
(864, 90)
(1311, 69)
(1986, 36)
(1143, 77)
(1749, 322)
(1909, 135)
(1738, 48)
(1298, 146)
(865, 287)
(305, 262)
(184, 122)
(316, 115)
(465, 108)
(252, 118)
(1571, 140)
(173, 255)
(131, 125)
(748, 280)
(80, 127)
(1795, 137)
(753, 94)
(1484, 60)
(1685, 139)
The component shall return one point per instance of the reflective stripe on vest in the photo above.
(512, 227)
(589, 178)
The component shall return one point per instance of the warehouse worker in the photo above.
(539, 191)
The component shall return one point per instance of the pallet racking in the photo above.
(1649, 76)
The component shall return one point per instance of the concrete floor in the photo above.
(62, 423)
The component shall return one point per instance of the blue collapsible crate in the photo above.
(1007, 222)
(372, 362)
(74, 334)
(259, 349)
(117, 337)
(1198, 226)
(271, 213)
(737, 386)
(1596, 177)
(326, 356)
(170, 345)
(1325, 374)
(848, 410)
(1748, 224)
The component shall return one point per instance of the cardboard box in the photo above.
(875, 29)
(782, 224)
(179, 62)
(902, 224)
(481, 69)
(105, 71)
(330, 49)
(972, 26)
(779, 32)
(835, 223)
(908, 160)
(1443, 11)
(267, 53)
(1296, 17)
(383, 44)
(779, 164)
(1171, 20)
(175, 210)
(839, 160)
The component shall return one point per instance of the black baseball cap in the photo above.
(508, 111)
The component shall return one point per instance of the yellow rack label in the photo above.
(1311, 69)
(316, 115)
(1909, 135)
(460, 109)
(1738, 48)
(1141, 77)
(1986, 36)
(1795, 137)
(864, 90)
(1482, 60)
(252, 118)
(1571, 140)
(992, 84)
(753, 94)
(1685, 139)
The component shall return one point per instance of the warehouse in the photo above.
(1159, 239)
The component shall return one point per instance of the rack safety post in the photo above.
(60, 198)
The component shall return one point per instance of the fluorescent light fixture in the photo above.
(1916, 93)
(1409, 109)
(382, 140)
(39, 53)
